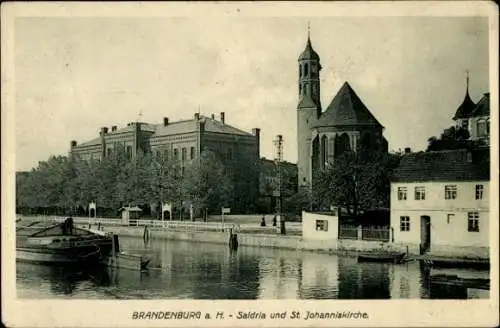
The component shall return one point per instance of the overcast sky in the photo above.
(74, 75)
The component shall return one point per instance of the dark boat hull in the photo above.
(64, 256)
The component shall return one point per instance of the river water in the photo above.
(191, 270)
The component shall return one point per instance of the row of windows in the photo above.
(472, 222)
(166, 154)
(450, 192)
(315, 89)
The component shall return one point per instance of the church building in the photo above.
(346, 124)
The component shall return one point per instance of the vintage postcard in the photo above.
(250, 164)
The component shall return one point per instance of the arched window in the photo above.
(342, 144)
(315, 153)
(366, 142)
(488, 126)
(324, 151)
(300, 70)
(300, 89)
(306, 69)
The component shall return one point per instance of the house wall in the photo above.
(309, 231)
(444, 231)
(240, 156)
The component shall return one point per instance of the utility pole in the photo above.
(278, 143)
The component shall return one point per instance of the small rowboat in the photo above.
(382, 257)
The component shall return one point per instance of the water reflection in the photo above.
(192, 270)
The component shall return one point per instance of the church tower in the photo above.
(308, 109)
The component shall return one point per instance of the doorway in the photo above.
(425, 234)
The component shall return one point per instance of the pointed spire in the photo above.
(309, 52)
(309, 32)
(467, 80)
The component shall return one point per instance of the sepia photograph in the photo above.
(244, 153)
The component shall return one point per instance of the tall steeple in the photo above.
(308, 109)
(309, 71)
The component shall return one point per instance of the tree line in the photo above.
(65, 185)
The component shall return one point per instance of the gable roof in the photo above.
(92, 142)
(211, 125)
(483, 106)
(450, 165)
(179, 127)
(347, 108)
(219, 127)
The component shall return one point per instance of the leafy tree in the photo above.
(356, 182)
(451, 138)
(206, 184)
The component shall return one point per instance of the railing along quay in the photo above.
(292, 229)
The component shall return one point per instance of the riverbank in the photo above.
(337, 247)
(252, 236)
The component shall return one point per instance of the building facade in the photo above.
(474, 117)
(440, 202)
(346, 124)
(184, 141)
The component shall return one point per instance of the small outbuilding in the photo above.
(130, 213)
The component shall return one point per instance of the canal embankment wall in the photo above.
(342, 247)
(317, 241)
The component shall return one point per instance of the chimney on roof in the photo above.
(213, 116)
(407, 150)
(72, 144)
(113, 128)
(223, 117)
(165, 121)
(104, 130)
(196, 116)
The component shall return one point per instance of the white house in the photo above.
(320, 227)
(440, 202)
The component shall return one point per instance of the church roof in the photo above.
(306, 102)
(347, 109)
(482, 107)
(309, 53)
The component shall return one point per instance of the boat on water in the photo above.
(61, 243)
(382, 257)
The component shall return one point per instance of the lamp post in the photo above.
(278, 143)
